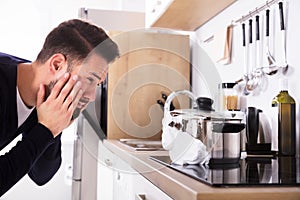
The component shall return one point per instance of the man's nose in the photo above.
(90, 94)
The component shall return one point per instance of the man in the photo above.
(39, 99)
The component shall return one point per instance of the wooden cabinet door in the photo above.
(151, 63)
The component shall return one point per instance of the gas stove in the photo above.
(269, 171)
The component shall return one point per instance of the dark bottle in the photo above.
(287, 172)
(286, 120)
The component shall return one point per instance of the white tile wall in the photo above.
(232, 72)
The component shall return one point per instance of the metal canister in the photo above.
(226, 142)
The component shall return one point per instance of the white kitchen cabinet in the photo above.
(132, 185)
(118, 181)
(119, 20)
(155, 9)
(105, 173)
(125, 15)
(144, 188)
(105, 176)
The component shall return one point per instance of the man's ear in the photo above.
(58, 63)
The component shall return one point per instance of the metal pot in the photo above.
(189, 121)
(193, 121)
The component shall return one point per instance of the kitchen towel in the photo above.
(183, 147)
(226, 59)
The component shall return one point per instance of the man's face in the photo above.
(91, 73)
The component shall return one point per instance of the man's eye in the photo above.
(90, 80)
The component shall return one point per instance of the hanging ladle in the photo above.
(259, 78)
(282, 27)
(244, 80)
(244, 83)
(270, 58)
(250, 83)
(273, 67)
(253, 78)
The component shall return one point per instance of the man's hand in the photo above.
(56, 111)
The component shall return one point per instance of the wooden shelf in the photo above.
(188, 15)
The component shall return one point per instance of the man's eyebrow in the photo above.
(94, 74)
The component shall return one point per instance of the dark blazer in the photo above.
(38, 153)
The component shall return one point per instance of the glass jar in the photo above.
(230, 97)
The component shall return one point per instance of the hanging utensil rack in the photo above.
(256, 11)
(259, 73)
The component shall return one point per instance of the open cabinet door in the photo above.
(152, 62)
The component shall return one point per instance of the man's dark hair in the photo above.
(75, 39)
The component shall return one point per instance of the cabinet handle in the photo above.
(140, 197)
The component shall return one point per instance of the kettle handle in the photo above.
(176, 93)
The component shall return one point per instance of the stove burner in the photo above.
(273, 171)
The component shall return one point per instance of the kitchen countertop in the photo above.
(180, 186)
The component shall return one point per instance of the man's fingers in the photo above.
(76, 100)
(72, 95)
(58, 86)
(67, 89)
